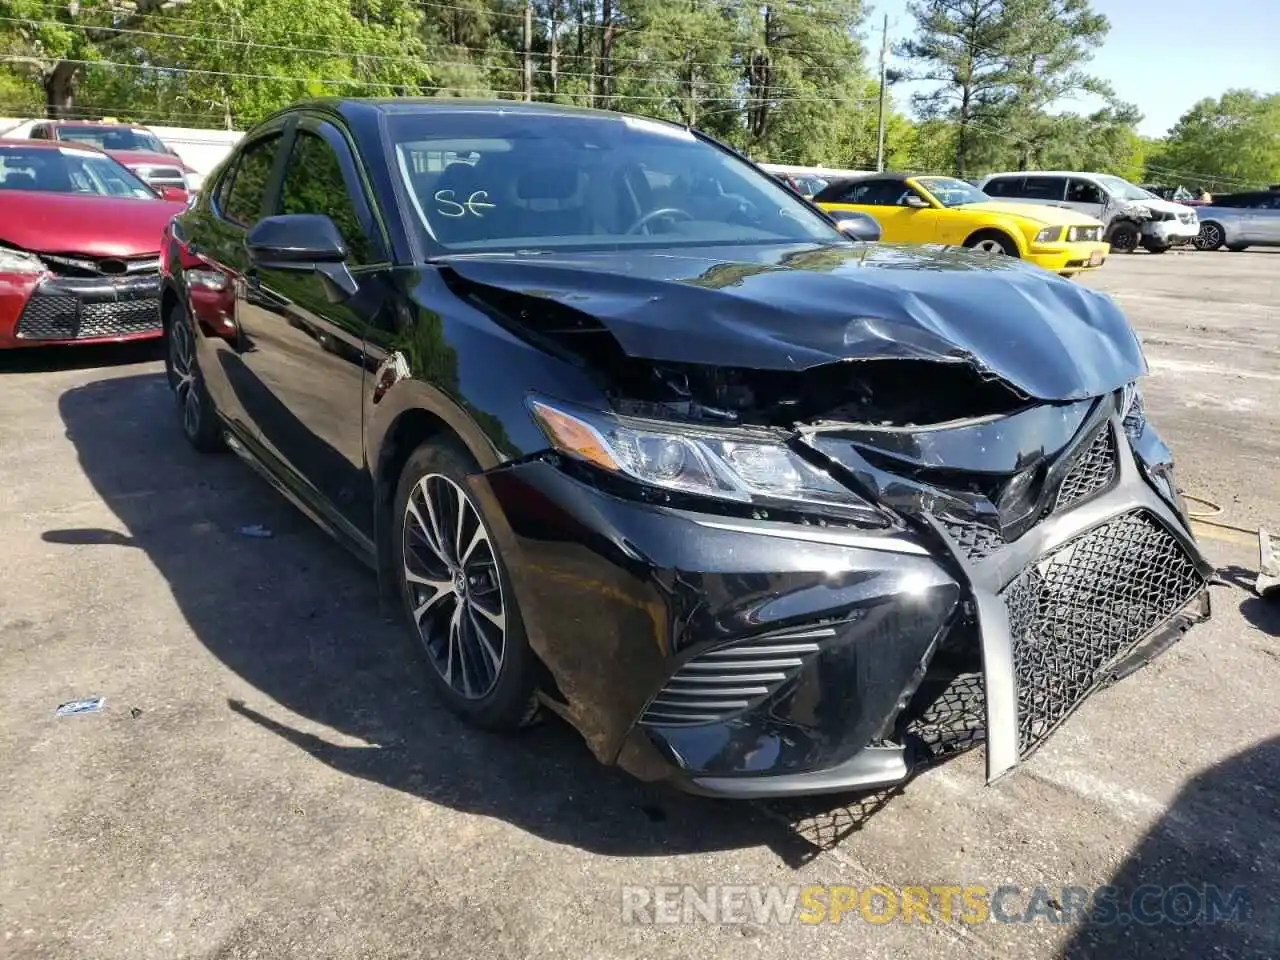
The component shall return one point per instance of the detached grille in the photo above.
(956, 719)
(1092, 472)
(720, 683)
(1076, 611)
(974, 540)
(59, 317)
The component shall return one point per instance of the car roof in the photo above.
(8, 142)
(1046, 173)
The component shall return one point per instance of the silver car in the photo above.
(1240, 220)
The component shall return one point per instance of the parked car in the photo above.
(130, 144)
(1240, 220)
(946, 210)
(1133, 216)
(632, 432)
(79, 246)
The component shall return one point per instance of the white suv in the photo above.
(1133, 216)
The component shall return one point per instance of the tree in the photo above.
(964, 47)
(1229, 143)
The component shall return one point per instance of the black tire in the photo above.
(1237, 247)
(1210, 237)
(498, 695)
(197, 415)
(1124, 238)
(1151, 247)
(993, 241)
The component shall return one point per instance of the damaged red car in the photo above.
(79, 246)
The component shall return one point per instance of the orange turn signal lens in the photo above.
(573, 437)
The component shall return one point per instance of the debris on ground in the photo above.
(73, 707)
(1268, 581)
(257, 531)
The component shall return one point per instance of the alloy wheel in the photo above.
(989, 246)
(1209, 238)
(182, 360)
(456, 593)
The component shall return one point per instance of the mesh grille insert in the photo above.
(60, 317)
(729, 679)
(1092, 472)
(1076, 611)
(972, 539)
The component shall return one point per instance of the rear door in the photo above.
(1263, 225)
(308, 356)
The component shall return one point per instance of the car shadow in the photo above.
(297, 618)
(1218, 843)
(78, 357)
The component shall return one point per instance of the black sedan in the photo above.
(635, 434)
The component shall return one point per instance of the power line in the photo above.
(619, 30)
(386, 85)
(361, 55)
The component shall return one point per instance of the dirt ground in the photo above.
(267, 780)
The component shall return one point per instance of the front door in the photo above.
(1086, 197)
(307, 355)
(888, 202)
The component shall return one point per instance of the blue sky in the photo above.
(1163, 55)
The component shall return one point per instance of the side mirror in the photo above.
(919, 203)
(173, 194)
(303, 243)
(860, 227)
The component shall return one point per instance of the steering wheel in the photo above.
(652, 215)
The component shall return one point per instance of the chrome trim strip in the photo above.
(839, 538)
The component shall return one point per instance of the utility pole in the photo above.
(528, 50)
(884, 62)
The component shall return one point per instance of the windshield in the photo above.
(67, 170)
(951, 192)
(113, 138)
(483, 180)
(1124, 189)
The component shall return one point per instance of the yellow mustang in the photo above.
(945, 210)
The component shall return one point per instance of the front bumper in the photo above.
(58, 310)
(750, 658)
(1171, 232)
(1070, 258)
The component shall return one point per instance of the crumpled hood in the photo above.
(793, 308)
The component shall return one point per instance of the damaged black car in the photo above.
(633, 433)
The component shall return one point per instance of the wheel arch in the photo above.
(1002, 230)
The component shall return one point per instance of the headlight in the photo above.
(1082, 233)
(1049, 235)
(737, 464)
(16, 261)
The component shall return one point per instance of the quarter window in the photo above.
(242, 200)
(1004, 187)
(313, 183)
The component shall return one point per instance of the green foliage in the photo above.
(787, 81)
(1225, 144)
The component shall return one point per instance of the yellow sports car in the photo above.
(946, 210)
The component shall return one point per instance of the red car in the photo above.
(136, 147)
(79, 246)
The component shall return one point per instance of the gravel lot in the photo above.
(265, 780)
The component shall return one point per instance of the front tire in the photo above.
(196, 412)
(992, 241)
(466, 628)
(1125, 238)
(1237, 247)
(1152, 247)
